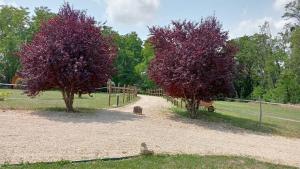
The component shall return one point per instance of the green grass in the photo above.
(52, 101)
(159, 162)
(279, 120)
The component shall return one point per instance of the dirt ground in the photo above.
(29, 136)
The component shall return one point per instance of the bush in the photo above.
(4, 95)
(258, 93)
(287, 90)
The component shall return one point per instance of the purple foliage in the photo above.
(193, 61)
(68, 53)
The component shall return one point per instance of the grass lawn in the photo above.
(52, 100)
(159, 161)
(280, 120)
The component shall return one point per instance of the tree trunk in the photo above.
(68, 98)
(192, 107)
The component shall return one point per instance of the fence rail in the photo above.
(127, 93)
(153, 92)
(260, 109)
(263, 102)
(116, 94)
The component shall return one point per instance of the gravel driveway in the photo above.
(50, 136)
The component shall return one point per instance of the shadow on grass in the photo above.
(63, 109)
(225, 122)
(86, 115)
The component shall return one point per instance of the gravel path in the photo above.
(50, 136)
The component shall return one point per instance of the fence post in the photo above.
(118, 100)
(124, 92)
(109, 93)
(260, 112)
(132, 92)
(180, 102)
(136, 91)
(128, 93)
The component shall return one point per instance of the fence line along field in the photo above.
(52, 100)
(277, 119)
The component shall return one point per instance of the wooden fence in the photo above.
(176, 102)
(153, 92)
(123, 94)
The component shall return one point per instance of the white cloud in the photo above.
(280, 4)
(131, 11)
(251, 26)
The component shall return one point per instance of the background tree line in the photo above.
(267, 66)
(18, 27)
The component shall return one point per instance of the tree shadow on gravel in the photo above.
(87, 116)
(224, 123)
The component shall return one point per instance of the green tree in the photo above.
(13, 28)
(292, 10)
(142, 68)
(287, 89)
(265, 58)
(259, 63)
(295, 56)
(246, 63)
(288, 86)
(128, 57)
(41, 15)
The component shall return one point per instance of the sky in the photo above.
(238, 17)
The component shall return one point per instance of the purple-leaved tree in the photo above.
(193, 61)
(69, 53)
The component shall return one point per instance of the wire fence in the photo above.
(261, 101)
(251, 112)
(284, 115)
(271, 110)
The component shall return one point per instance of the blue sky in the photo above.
(239, 17)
